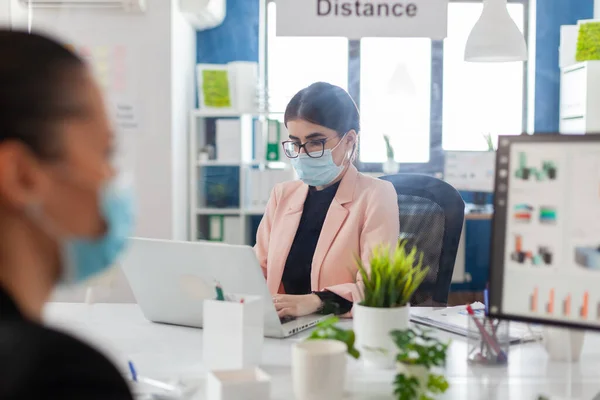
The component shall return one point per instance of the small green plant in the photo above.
(588, 42)
(418, 349)
(489, 141)
(328, 330)
(389, 148)
(218, 192)
(393, 276)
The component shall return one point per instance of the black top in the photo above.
(298, 266)
(40, 363)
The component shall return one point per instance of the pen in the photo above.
(132, 370)
(151, 382)
(486, 300)
(485, 335)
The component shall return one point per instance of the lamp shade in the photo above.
(495, 37)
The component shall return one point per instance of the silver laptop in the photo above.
(171, 279)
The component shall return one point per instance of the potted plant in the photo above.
(388, 283)
(327, 330)
(390, 166)
(489, 141)
(218, 195)
(418, 354)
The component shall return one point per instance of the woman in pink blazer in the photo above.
(315, 227)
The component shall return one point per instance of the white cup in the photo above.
(563, 344)
(319, 369)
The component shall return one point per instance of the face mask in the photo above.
(86, 258)
(317, 171)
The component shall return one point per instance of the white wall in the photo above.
(183, 61)
(597, 9)
(4, 13)
(157, 150)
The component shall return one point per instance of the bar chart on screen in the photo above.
(533, 301)
(558, 304)
(567, 306)
(585, 306)
(550, 304)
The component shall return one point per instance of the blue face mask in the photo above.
(317, 171)
(86, 258)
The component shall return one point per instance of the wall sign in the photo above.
(355, 19)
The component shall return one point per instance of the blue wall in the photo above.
(234, 40)
(551, 14)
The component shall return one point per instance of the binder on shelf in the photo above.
(255, 185)
(259, 141)
(228, 135)
(232, 234)
(273, 140)
(260, 184)
(215, 228)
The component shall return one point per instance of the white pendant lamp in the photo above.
(495, 37)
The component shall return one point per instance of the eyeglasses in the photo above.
(312, 148)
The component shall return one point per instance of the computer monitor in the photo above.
(545, 256)
(471, 171)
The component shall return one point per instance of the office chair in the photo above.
(432, 213)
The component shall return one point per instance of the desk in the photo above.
(166, 352)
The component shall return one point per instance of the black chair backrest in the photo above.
(432, 213)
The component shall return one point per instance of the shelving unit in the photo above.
(580, 98)
(200, 209)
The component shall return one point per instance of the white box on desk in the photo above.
(233, 333)
(247, 384)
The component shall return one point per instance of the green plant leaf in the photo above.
(406, 388)
(389, 148)
(437, 384)
(416, 347)
(392, 277)
(327, 330)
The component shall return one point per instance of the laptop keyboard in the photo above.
(286, 319)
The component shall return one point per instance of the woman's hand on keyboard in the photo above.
(296, 305)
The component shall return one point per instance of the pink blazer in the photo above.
(363, 214)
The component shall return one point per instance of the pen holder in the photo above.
(233, 333)
(488, 341)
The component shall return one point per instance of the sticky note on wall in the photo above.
(215, 88)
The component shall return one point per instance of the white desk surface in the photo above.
(168, 352)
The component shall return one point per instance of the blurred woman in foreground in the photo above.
(62, 219)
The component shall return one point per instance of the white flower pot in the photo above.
(372, 327)
(563, 344)
(390, 167)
